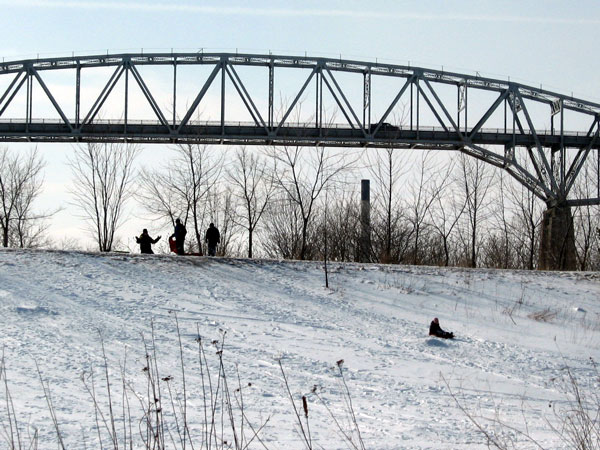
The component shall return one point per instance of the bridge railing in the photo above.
(247, 124)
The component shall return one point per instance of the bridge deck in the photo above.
(250, 134)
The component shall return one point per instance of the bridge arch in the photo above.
(541, 138)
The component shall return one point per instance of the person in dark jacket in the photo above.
(179, 236)
(146, 242)
(212, 238)
(436, 330)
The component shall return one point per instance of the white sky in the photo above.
(547, 42)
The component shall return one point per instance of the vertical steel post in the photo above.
(514, 131)
(466, 106)
(365, 221)
(31, 99)
(318, 74)
(28, 108)
(271, 75)
(364, 118)
(418, 99)
(321, 104)
(370, 97)
(174, 93)
(223, 97)
(562, 186)
(411, 106)
(505, 115)
(126, 93)
(458, 107)
(326, 249)
(78, 95)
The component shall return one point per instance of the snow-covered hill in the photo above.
(516, 334)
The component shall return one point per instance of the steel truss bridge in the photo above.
(542, 138)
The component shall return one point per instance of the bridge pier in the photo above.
(557, 240)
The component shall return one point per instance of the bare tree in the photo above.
(500, 243)
(424, 194)
(20, 186)
(103, 181)
(302, 174)
(476, 179)
(158, 195)
(180, 191)
(524, 225)
(387, 167)
(253, 187)
(337, 234)
(446, 211)
(220, 210)
(587, 221)
(283, 228)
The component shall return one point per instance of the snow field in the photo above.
(56, 308)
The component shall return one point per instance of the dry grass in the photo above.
(157, 416)
(545, 315)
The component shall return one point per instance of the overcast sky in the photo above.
(545, 41)
(548, 42)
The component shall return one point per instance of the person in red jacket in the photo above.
(436, 330)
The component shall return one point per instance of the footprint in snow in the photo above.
(35, 311)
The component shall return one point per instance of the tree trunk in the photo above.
(304, 231)
(250, 233)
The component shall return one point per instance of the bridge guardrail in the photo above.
(285, 125)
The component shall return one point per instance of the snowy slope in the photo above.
(56, 309)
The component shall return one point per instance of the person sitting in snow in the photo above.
(146, 242)
(436, 330)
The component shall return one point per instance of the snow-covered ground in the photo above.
(57, 308)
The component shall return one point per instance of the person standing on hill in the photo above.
(146, 242)
(179, 235)
(212, 238)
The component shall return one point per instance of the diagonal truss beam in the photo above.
(517, 171)
(348, 105)
(444, 109)
(432, 107)
(580, 159)
(246, 98)
(338, 101)
(199, 97)
(541, 179)
(52, 99)
(547, 171)
(293, 105)
(103, 95)
(488, 113)
(408, 82)
(140, 81)
(14, 89)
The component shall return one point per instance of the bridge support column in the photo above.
(557, 240)
(365, 221)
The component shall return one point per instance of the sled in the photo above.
(172, 244)
(173, 248)
(448, 335)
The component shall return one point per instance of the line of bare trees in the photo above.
(21, 181)
(427, 207)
